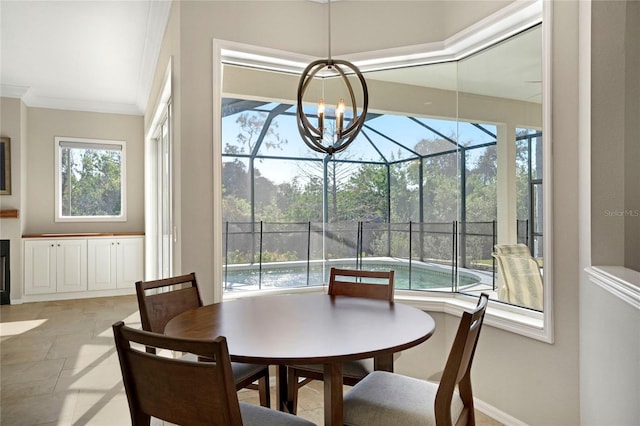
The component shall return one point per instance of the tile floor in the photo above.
(59, 365)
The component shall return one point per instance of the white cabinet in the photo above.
(55, 266)
(129, 261)
(114, 262)
(101, 264)
(78, 267)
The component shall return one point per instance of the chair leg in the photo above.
(139, 418)
(264, 391)
(292, 390)
(466, 394)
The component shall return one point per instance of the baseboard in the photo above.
(496, 414)
(77, 295)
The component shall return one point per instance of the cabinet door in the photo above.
(71, 265)
(130, 255)
(39, 267)
(101, 264)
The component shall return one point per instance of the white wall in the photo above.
(535, 382)
(43, 125)
(610, 361)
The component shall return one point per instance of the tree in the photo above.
(305, 203)
(364, 197)
(481, 185)
(91, 182)
(405, 192)
(251, 127)
(338, 173)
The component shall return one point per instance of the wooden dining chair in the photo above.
(171, 297)
(185, 392)
(344, 282)
(384, 398)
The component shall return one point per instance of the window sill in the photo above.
(509, 318)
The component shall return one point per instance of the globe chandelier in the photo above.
(317, 137)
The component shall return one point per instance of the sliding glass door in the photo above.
(161, 241)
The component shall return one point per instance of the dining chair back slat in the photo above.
(361, 283)
(166, 302)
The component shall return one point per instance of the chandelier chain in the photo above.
(329, 27)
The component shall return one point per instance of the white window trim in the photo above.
(499, 26)
(123, 179)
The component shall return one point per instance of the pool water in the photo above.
(423, 277)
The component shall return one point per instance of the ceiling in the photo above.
(81, 55)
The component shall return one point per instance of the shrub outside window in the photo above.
(90, 180)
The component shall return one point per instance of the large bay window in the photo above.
(448, 164)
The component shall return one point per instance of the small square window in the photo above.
(90, 180)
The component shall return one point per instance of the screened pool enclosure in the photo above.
(447, 165)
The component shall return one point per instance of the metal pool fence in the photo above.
(454, 246)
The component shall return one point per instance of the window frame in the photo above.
(88, 142)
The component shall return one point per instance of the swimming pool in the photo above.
(418, 276)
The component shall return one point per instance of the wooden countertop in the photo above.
(9, 213)
(85, 235)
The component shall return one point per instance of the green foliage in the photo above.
(364, 197)
(238, 256)
(90, 182)
(303, 204)
(275, 256)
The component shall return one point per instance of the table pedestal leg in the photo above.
(281, 389)
(333, 394)
(383, 363)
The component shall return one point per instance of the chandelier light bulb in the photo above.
(321, 116)
(339, 118)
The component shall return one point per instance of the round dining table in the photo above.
(291, 329)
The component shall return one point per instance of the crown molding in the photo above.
(9, 91)
(512, 19)
(34, 101)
